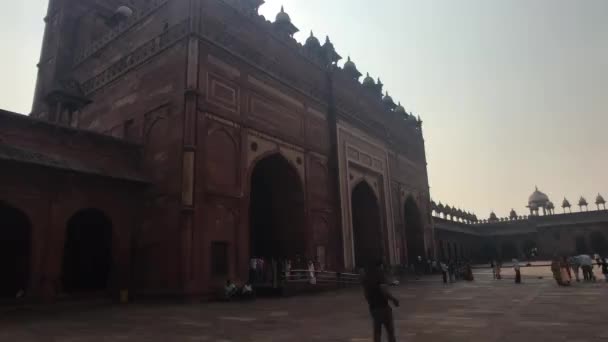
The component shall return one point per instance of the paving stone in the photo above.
(484, 310)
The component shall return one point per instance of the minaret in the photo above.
(55, 53)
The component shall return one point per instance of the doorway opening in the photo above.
(367, 226)
(87, 258)
(276, 211)
(414, 230)
(15, 242)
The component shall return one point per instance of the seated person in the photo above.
(247, 291)
(230, 290)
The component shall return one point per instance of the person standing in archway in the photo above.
(378, 296)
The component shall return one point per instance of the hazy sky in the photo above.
(513, 93)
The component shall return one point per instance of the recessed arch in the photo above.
(367, 225)
(598, 243)
(222, 162)
(508, 250)
(15, 250)
(276, 210)
(87, 257)
(414, 229)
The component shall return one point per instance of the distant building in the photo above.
(543, 231)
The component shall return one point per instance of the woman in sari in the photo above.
(517, 271)
(565, 274)
(556, 270)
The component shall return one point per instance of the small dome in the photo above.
(387, 98)
(493, 217)
(550, 205)
(600, 200)
(582, 201)
(400, 110)
(538, 198)
(124, 11)
(513, 214)
(368, 80)
(283, 17)
(349, 64)
(312, 41)
(566, 203)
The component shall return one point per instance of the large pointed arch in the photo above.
(414, 230)
(276, 210)
(367, 225)
(87, 257)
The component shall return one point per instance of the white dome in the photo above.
(538, 198)
(124, 11)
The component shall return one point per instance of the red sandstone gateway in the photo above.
(171, 141)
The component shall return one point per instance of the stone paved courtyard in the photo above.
(484, 310)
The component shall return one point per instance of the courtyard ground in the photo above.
(484, 310)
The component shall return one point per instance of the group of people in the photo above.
(274, 272)
(455, 270)
(232, 291)
(563, 268)
(496, 266)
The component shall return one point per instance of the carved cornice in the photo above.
(124, 26)
(137, 57)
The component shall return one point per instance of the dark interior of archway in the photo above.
(15, 240)
(414, 231)
(581, 245)
(528, 247)
(599, 244)
(367, 232)
(509, 250)
(276, 211)
(87, 258)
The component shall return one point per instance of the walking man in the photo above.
(378, 296)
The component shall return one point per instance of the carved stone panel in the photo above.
(275, 118)
(222, 93)
(222, 164)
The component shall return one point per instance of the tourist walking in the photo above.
(444, 271)
(493, 267)
(498, 270)
(559, 274)
(587, 265)
(378, 296)
(575, 266)
(452, 271)
(468, 274)
(605, 268)
(517, 271)
(311, 273)
(565, 271)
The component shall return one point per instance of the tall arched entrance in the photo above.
(15, 242)
(87, 257)
(599, 244)
(276, 210)
(414, 230)
(367, 226)
(509, 250)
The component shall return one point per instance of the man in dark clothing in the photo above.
(378, 296)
